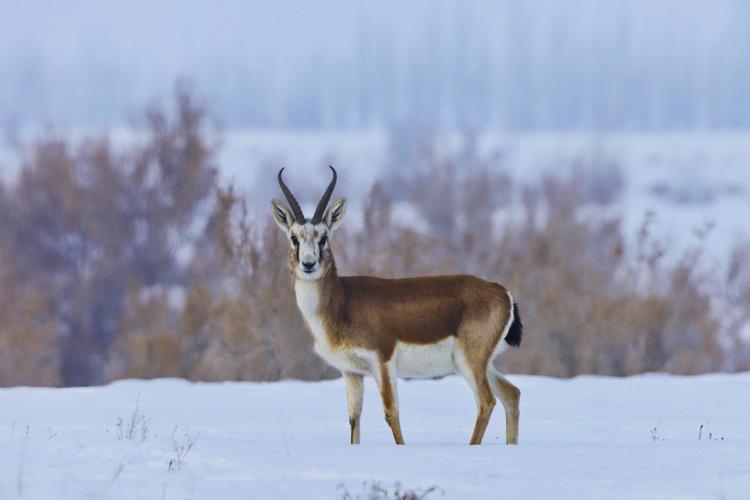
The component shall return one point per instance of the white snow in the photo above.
(589, 437)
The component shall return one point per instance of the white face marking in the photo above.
(312, 241)
(307, 300)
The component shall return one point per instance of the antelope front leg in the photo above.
(355, 389)
(386, 378)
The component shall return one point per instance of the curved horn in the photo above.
(323, 203)
(296, 210)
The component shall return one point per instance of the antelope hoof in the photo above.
(354, 426)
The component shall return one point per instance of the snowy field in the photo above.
(589, 437)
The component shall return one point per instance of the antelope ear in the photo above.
(281, 215)
(334, 214)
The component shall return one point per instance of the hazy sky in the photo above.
(543, 64)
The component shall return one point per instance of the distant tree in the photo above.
(87, 223)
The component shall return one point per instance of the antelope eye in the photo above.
(323, 241)
(295, 241)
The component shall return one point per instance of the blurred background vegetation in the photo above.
(137, 261)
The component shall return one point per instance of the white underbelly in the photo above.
(425, 361)
(347, 360)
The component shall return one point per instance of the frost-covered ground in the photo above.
(588, 437)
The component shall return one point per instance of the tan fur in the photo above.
(376, 313)
(355, 388)
(510, 396)
(362, 313)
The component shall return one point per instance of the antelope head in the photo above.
(310, 254)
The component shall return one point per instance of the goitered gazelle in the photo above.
(423, 327)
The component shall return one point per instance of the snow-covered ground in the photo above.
(589, 437)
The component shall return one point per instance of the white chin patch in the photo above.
(311, 276)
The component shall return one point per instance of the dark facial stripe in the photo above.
(295, 242)
(322, 247)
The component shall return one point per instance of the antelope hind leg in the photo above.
(510, 396)
(475, 375)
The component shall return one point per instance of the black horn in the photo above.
(323, 203)
(296, 210)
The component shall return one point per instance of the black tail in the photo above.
(515, 332)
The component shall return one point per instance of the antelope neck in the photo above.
(323, 297)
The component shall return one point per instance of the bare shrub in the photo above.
(590, 303)
(85, 223)
(262, 335)
(133, 262)
(181, 449)
(29, 345)
(374, 490)
(589, 309)
(135, 427)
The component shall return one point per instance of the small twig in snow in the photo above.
(181, 451)
(22, 464)
(135, 427)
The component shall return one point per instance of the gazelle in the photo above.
(423, 327)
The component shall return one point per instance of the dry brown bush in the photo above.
(86, 223)
(29, 347)
(135, 263)
(589, 303)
